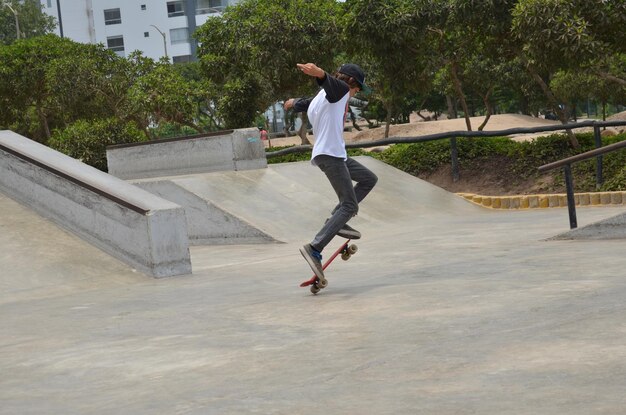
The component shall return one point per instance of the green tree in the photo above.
(569, 35)
(234, 106)
(220, 49)
(32, 21)
(482, 76)
(453, 48)
(207, 115)
(519, 92)
(90, 82)
(161, 94)
(389, 37)
(606, 91)
(47, 82)
(571, 87)
(24, 89)
(612, 69)
(476, 54)
(253, 48)
(87, 140)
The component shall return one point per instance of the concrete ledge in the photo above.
(133, 225)
(542, 201)
(222, 151)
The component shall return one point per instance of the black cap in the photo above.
(355, 72)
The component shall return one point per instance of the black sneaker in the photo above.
(349, 232)
(314, 258)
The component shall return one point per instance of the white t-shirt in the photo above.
(328, 120)
(326, 112)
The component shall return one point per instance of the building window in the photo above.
(175, 8)
(143, 7)
(49, 3)
(209, 6)
(112, 16)
(181, 59)
(146, 34)
(180, 35)
(116, 44)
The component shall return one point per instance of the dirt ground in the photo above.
(489, 181)
(418, 127)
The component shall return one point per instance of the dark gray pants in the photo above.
(341, 174)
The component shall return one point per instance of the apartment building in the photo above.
(156, 27)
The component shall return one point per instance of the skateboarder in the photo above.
(327, 112)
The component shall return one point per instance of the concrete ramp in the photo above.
(286, 202)
(207, 224)
(611, 228)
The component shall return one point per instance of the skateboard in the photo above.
(346, 250)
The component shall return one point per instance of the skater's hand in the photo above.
(288, 104)
(311, 69)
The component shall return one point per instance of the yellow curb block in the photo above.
(543, 201)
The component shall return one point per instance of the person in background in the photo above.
(265, 136)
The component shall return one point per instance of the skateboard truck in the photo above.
(346, 250)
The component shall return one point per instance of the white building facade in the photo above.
(156, 27)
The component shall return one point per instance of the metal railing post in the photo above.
(454, 154)
(598, 138)
(571, 203)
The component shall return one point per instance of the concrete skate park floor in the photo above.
(467, 313)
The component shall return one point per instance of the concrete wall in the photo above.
(133, 225)
(227, 150)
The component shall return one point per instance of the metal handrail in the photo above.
(456, 134)
(582, 156)
(567, 171)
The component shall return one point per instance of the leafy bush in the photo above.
(87, 140)
(617, 181)
(287, 158)
(521, 158)
(170, 130)
(584, 172)
(419, 158)
(543, 150)
(239, 101)
(613, 166)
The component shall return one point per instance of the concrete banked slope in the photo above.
(610, 228)
(286, 202)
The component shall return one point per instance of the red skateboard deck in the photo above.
(346, 250)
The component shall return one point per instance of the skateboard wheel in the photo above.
(345, 255)
(315, 289)
(322, 283)
(352, 249)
